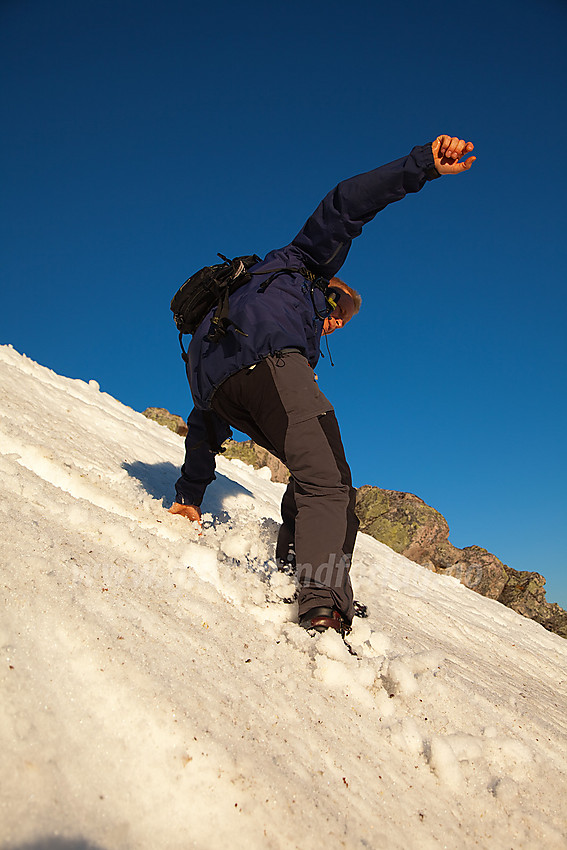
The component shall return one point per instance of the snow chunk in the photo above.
(203, 561)
(399, 678)
(282, 585)
(445, 764)
(235, 545)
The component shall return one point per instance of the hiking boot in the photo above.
(321, 619)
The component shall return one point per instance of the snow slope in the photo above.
(156, 692)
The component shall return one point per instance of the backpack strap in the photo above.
(183, 352)
(309, 275)
(221, 321)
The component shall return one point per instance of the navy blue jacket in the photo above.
(284, 315)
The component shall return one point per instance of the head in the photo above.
(347, 306)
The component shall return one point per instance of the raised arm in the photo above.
(325, 239)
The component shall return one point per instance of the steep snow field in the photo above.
(156, 692)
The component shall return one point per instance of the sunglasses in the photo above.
(332, 297)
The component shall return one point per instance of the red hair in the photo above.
(356, 296)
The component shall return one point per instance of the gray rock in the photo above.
(409, 526)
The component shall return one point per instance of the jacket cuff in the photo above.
(424, 158)
(190, 492)
(423, 155)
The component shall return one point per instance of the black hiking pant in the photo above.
(279, 405)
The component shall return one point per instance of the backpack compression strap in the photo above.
(221, 320)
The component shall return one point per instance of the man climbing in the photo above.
(259, 379)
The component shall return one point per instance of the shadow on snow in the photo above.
(158, 480)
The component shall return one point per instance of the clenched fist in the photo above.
(448, 150)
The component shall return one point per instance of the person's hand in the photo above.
(192, 512)
(448, 150)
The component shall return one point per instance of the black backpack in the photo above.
(210, 287)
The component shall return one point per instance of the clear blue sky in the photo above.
(140, 138)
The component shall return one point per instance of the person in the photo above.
(259, 379)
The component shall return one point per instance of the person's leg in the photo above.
(285, 547)
(280, 406)
(325, 524)
(331, 427)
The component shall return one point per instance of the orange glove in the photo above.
(192, 512)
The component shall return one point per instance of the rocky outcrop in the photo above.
(163, 417)
(253, 454)
(409, 526)
(525, 593)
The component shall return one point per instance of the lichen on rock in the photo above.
(163, 417)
